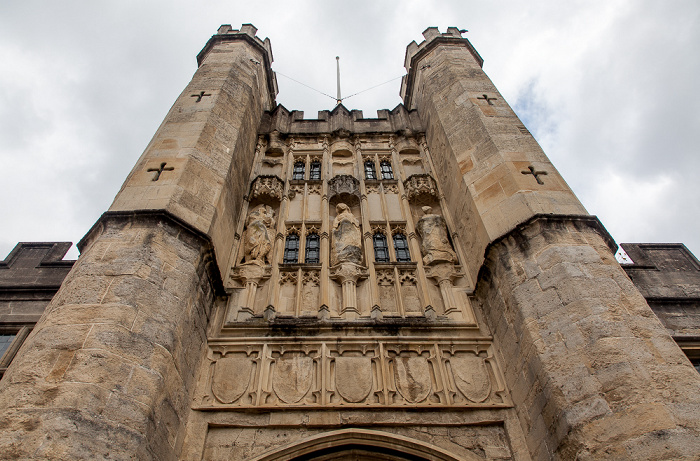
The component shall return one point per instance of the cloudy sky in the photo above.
(609, 88)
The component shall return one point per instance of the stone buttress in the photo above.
(109, 369)
(592, 373)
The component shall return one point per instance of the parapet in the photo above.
(35, 265)
(433, 38)
(340, 119)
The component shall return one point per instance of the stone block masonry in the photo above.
(593, 373)
(423, 285)
(108, 370)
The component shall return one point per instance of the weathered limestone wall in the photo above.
(479, 146)
(108, 369)
(592, 372)
(473, 435)
(29, 277)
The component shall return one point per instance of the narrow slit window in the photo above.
(313, 249)
(370, 172)
(381, 249)
(5, 341)
(387, 172)
(298, 172)
(291, 249)
(314, 170)
(401, 248)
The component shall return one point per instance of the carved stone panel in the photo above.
(316, 373)
(344, 188)
(353, 377)
(471, 376)
(292, 377)
(310, 292)
(267, 186)
(409, 293)
(413, 377)
(419, 186)
(237, 366)
(387, 291)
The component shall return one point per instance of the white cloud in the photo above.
(607, 87)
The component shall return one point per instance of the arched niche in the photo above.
(371, 445)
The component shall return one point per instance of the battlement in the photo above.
(415, 52)
(247, 33)
(340, 118)
(35, 264)
(249, 30)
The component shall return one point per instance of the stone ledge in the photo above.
(591, 221)
(166, 217)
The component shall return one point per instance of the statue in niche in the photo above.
(258, 234)
(347, 238)
(435, 245)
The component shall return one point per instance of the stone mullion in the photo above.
(399, 295)
(390, 242)
(325, 232)
(297, 291)
(367, 234)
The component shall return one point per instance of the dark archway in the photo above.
(360, 444)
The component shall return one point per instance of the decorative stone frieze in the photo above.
(419, 186)
(267, 186)
(354, 373)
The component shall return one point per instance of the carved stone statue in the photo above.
(258, 235)
(435, 245)
(346, 237)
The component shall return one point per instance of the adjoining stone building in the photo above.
(420, 285)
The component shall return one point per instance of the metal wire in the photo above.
(328, 95)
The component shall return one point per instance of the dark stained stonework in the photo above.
(29, 277)
(668, 276)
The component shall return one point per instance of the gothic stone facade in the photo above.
(423, 285)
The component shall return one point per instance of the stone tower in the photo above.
(420, 285)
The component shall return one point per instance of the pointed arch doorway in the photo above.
(360, 445)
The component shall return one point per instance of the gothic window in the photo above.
(381, 249)
(401, 248)
(387, 172)
(370, 172)
(315, 170)
(298, 172)
(313, 249)
(291, 249)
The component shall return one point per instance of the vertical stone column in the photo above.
(109, 368)
(592, 372)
